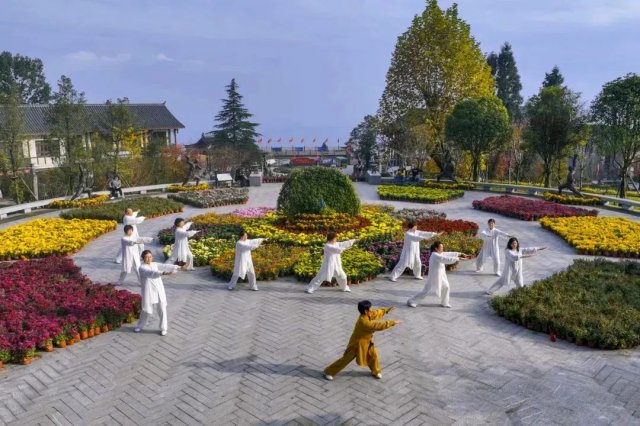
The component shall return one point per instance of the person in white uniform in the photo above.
(131, 256)
(243, 263)
(181, 252)
(437, 275)
(490, 249)
(131, 218)
(410, 256)
(153, 294)
(331, 264)
(512, 270)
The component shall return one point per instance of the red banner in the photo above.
(291, 140)
(269, 141)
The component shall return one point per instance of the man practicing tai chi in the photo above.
(410, 256)
(331, 264)
(243, 263)
(490, 249)
(131, 218)
(360, 344)
(131, 255)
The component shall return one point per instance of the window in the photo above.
(45, 148)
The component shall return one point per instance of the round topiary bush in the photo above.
(313, 189)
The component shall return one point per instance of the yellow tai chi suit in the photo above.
(361, 345)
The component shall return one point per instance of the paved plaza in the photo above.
(253, 358)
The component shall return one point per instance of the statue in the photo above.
(570, 179)
(193, 173)
(447, 169)
(85, 182)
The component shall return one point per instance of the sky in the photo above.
(306, 68)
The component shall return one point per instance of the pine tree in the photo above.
(508, 86)
(554, 78)
(234, 126)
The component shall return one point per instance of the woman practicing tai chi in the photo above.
(181, 252)
(513, 265)
(437, 274)
(243, 263)
(153, 291)
(131, 256)
(360, 344)
(131, 218)
(331, 264)
(490, 249)
(410, 256)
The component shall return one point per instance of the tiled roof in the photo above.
(146, 116)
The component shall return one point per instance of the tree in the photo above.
(66, 118)
(122, 137)
(233, 120)
(436, 63)
(554, 78)
(12, 140)
(508, 86)
(616, 116)
(364, 140)
(26, 75)
(555, 124)
(478, 126)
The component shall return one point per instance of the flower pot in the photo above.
(61, 344)
(76, 338)
(1, 364)
(90, 332)
(96, 331)
(84, 334)
(25, 361)
(70, 341)
(48, 348)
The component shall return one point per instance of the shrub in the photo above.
(449, 185)
(570, 199)
(606, 236)
(595, 303)
(307, 189)
(46, 237)
(358, 264)
(148, 206)
(418, 194)
(270, 261)
(212, 197)
(185, 188)
(528, 209)
(80, 203)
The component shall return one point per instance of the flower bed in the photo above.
(218, 219)
(418, 194)
(182, 188)
(274, 179)
(204, 249)
(449, 185)
(570, 199)
(148, 206)
(604, 236)
(436, 224)
(46, 237)
(48, 301)
(359, 265)
(322, 223)
(269, 260)
(80, 203)
(253, 212)
(417, 214)
(222, 231)
(212, 197)
(594, 303)
(528, 209)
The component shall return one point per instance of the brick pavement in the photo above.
(256, 358)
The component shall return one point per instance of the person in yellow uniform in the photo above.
(360, 344)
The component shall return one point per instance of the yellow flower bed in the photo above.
(76, 204)
(383, 227)
(604, 236)
(571, 199)
(218, 219)
(181, 188)
(45, 237)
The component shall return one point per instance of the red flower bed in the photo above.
(528, 209)
(438, 224)
(303, 161)
(49, 301)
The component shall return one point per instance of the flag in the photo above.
(269, 141)
(279, 140)
(338, 141)
(302, 140)
(314, 140)
(291, 140)
(326, 140)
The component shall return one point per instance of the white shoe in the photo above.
(498, 274)
(377, 376)
(393, 280)
(163, 332)
(412, 304)
(418, 278)
(347, 289)
(254, 288)
(446, 306)
(488, 293)
(229, 288)
(478, 270)
(309, 291)
(137, 330)
(327, 377)
(117, 261)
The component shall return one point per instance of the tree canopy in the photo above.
(364, 139)
(508, 85)
(553, 78)
(26, 75)
(233, 120)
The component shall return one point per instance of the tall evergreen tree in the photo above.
(508, 86)
(233, 120)
(553, 78)
(12, 141)
(26, 75)
(436, 63)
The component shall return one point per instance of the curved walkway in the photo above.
(256, 358)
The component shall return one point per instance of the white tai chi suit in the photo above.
(131, 256)
(181, 251)
(153, 292)
(133, 220)
(513, 268)
(410, 256)
(332, 266)
(490, 249)
(437, 277)
(243, 263)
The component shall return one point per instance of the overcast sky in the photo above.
(306, 68)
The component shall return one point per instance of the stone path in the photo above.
(250, 358)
